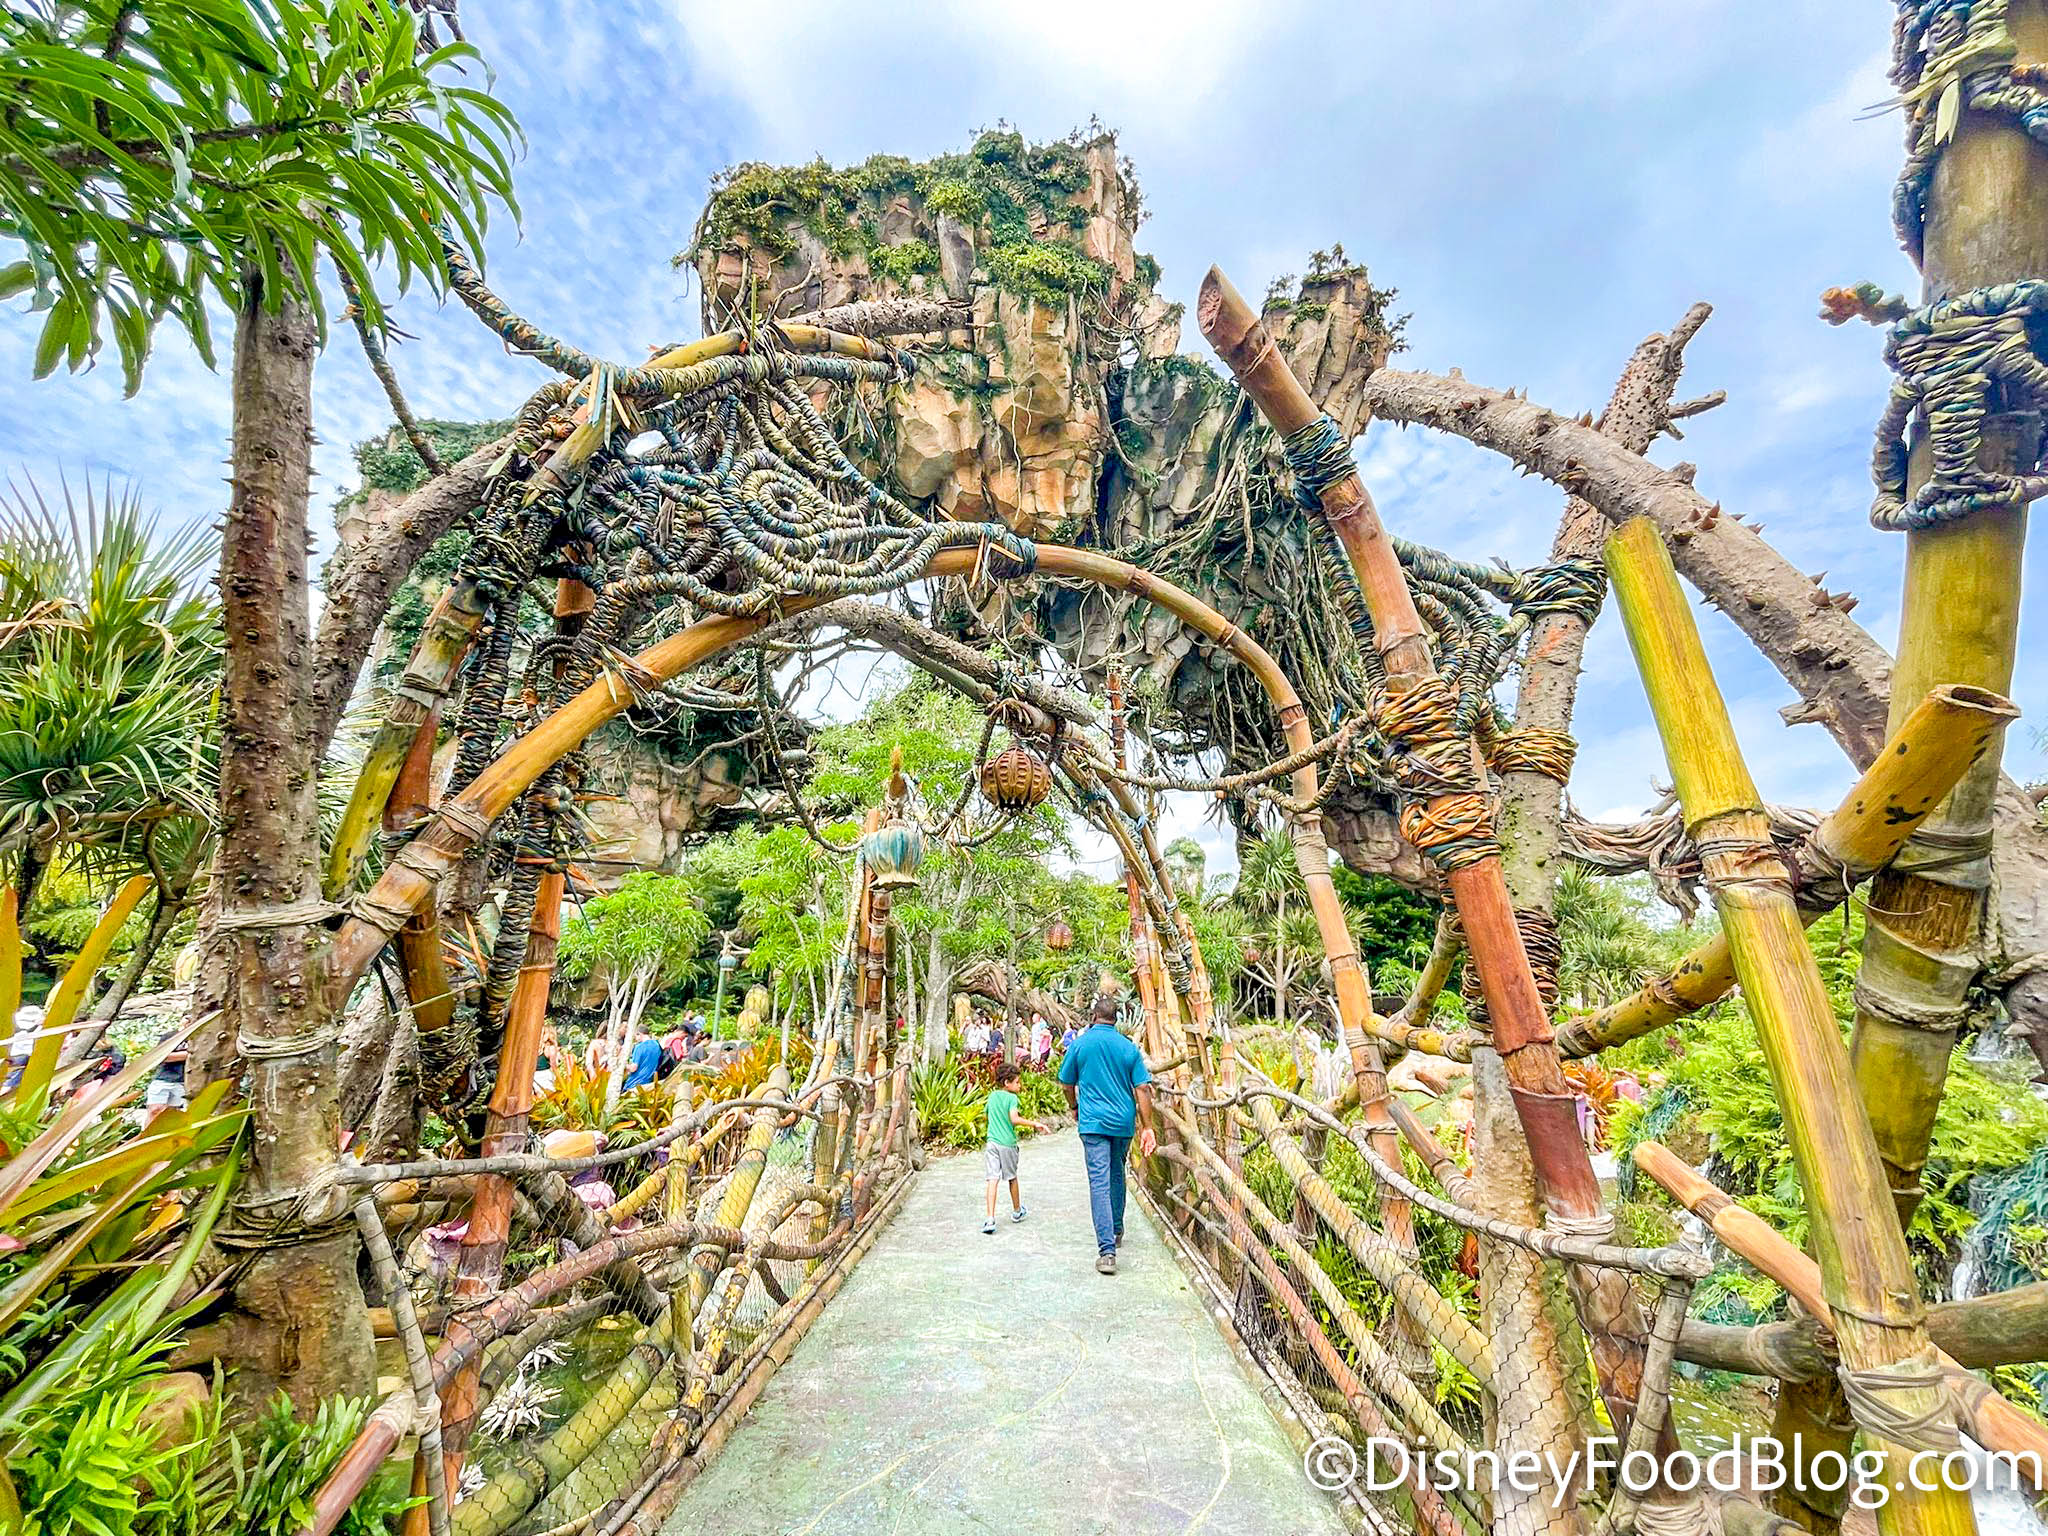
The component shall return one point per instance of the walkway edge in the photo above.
(661, 1499)
(1279, 1398)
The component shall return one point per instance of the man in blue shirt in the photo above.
(1108, 1089)
(645, 1061)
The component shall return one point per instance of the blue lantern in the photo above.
(893, 852)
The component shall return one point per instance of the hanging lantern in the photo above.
(893, 851)
(1059, 938)
(1015, 779)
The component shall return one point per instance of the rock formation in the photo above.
(1066, 408)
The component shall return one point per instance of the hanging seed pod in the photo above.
(1059, 937)
(893, 851)
(1015, 779)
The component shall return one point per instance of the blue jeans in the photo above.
(1105, 1157)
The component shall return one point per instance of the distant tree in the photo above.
(646, 935)
(1608, 943)
(1188, 863)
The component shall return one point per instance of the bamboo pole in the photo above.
(482, 1260)
(1993, 1422)
(2008, 1328)
(422, 966)
(1142, 940)
(1986, 223)
(1861, 1251)
(1935, 745)
(1382, 1371)
(1432, 1515)
(1522, 1034)
(444, 641)
(1378, 1255)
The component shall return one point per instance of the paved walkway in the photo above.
(962, 1383)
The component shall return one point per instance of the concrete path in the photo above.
(961, 1383)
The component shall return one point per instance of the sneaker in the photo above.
(989, 1227)
(1017, 1214)
(1106, 1264)
(1119, 1237)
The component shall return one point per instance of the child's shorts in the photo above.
(1000, 1161)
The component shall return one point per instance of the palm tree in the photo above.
(109, 669)
(1607, 944)
(1269, 884)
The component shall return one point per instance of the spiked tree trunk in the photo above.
(301, 1284)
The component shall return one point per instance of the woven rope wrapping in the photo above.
(1957, 360)
(1873, 1402)
(1448, 815)
(1533, 749)
(1949, 55)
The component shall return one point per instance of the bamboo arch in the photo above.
(415, 874)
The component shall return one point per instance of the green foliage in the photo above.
(652, 922)
(1390, 923)
(214, 139)
(97, 1477)
(1987, 1122)
(1045, 271)
(1017, 195)
(109, 660)
(275, 1483)
(951, 1099)
(904, 260)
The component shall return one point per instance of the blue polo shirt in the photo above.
(1105, 1069)
(644, 1064)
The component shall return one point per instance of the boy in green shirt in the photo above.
(1000, 1155)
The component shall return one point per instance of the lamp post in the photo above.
(728, 962)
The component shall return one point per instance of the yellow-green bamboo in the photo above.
(69, 992)
(1948, 730)
(531, 1474)
(1867, 1272)
(444, 640)
(706, 1262)
(1986, 223)
(1416, 1296)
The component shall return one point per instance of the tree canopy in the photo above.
(151, 155)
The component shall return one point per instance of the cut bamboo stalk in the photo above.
(1860, 1248)
(1521, 1027)
(1992, 1421)
(1949, 730)
(2008, 1328)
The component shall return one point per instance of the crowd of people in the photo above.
(1036, 1043)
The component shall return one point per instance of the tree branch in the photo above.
(1842, 675)
(361, 578)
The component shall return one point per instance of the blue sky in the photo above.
(1543, 184)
